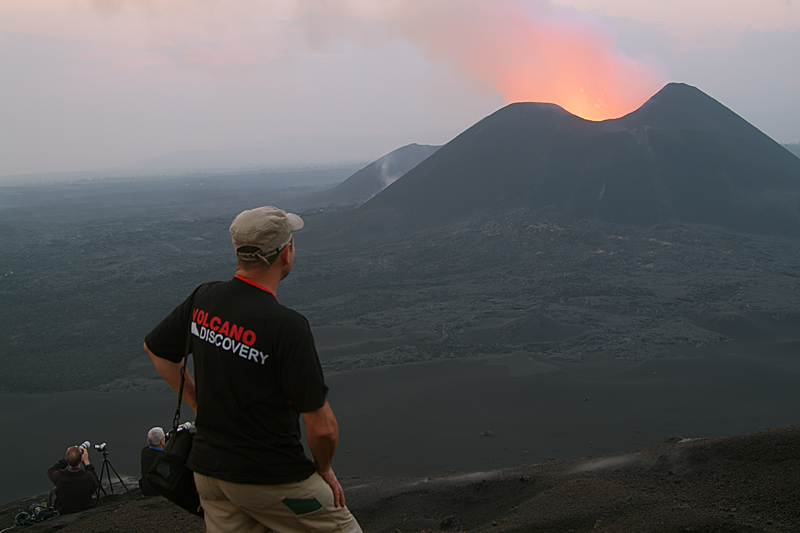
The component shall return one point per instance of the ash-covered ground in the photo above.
(745, 483)
(507, 339)
(80, 296)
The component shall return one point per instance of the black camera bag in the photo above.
(170, 476)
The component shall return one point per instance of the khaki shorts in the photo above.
(302, 506)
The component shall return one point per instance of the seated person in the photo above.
(75, 481)
(155, 441)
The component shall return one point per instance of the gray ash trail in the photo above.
(510, 282)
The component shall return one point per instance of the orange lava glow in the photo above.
(534, 52)
(573, 65)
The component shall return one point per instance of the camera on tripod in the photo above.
(105, 471)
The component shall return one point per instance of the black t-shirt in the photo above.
(256, 369)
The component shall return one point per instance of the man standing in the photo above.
(155, 445)
(256, 373)
(75, 481)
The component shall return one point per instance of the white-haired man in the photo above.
(155, 445)
(256, 374)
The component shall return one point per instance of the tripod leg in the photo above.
(118, 477)
(106, 466)
(103, 470)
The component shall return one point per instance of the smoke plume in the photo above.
(523, 50)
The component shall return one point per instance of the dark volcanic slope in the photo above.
(681, 157)
(371, 179)
(736, 484)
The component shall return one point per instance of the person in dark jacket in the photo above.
(75, 481)
(155, 445)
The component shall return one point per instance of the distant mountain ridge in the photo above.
(372, 179)
(680, 157)
(284, 152)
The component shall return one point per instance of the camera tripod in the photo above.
(106, 470)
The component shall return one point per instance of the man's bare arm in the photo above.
(171, 373)
(322, 434)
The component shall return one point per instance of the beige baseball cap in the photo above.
(260, 233)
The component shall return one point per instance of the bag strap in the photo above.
(177, 418)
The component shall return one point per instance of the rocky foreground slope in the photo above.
(731, 484)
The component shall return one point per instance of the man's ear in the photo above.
(284, 253)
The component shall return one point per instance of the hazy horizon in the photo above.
(212, 163)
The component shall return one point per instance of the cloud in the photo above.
(531, 51)
(523, 50)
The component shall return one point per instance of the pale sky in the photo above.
(90, 84)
